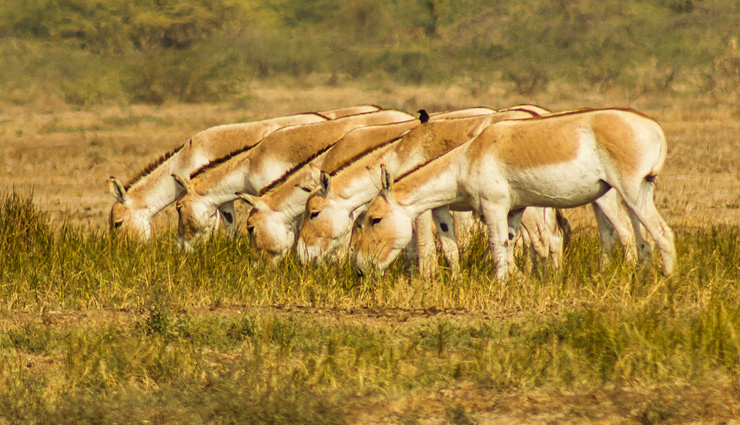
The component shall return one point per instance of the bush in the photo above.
(198, 50)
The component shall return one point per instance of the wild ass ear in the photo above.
(183, 184)
(117, 190)
(315, 172)
(325, 181)
(308, 183)
(249, 199)
(386, 180)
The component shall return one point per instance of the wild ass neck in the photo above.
(432, 185)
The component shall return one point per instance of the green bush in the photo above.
(94, 51)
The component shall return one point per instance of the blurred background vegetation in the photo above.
(90, 52)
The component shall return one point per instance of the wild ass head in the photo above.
(273, 220)
(324, 225)
(385, 231)
(125, 217)
(196, 221)
(267, 227)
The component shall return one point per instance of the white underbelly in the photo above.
(575, 183)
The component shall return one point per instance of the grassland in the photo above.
(95, 330)
(99, 330)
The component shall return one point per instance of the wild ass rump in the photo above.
(252, 169)
(561, 160)
(152, 188)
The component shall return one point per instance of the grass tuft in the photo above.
(224, 335)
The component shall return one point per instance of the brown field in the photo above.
(64, 157)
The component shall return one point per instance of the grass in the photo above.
(101, 330)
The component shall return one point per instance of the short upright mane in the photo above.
(366, 152)
(292, 171)
(424, 164)
(218, 161)
(152, 166)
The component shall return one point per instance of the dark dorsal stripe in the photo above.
(585, 110)
(215, 163)
(370, 150)
(152, 166)
(521, 109)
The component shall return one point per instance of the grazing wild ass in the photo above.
(256, 167)
(334, 206)
(152, 188)
(276, 213)
(561, 160)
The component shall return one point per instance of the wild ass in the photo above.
(562, 161)
(275, 213)
(254, 168)
(152, 188)
(333, 207)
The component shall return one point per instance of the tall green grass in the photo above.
(314, 344)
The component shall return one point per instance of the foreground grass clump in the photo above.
(60, 266)
(103, 330)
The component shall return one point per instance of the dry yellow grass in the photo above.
(65, 156)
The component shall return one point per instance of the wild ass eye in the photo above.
(374, 221)
(313, 214)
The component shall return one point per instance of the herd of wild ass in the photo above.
(371, 183)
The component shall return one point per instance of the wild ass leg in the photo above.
(228, 216)
(612, 225)
(464, 222)
(446, 234)
(495, 218)
(642, 210)
(557, 236)
(535, 236)
(514, 222)
(411, 251)
(427, 252)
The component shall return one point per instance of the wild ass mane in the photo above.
(424, 164)
(218, 161)
(293, 170)
(152, 166)
(339, 168)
